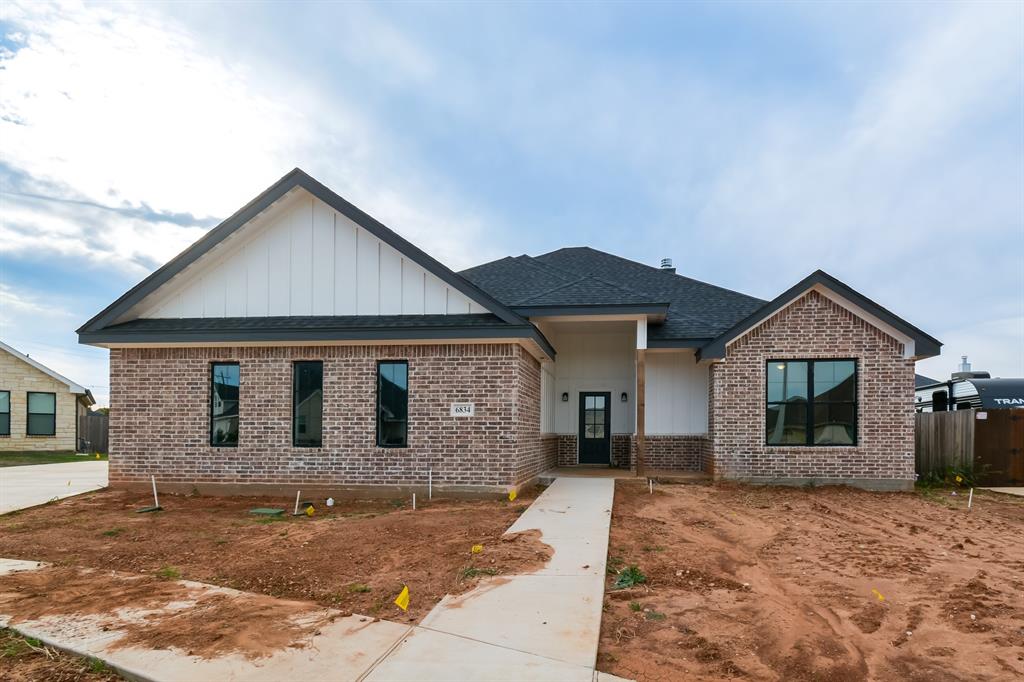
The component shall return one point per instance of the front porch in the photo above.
(585, 471)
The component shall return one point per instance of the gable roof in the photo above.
(72, 386)
(296, 178)
(921, 380)
(596, 282)
(924, 344)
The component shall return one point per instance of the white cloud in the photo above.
(129, 110)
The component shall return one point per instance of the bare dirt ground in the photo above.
(354, 557)
(815, 584)
(28, 660)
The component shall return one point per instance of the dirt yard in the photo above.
(355, 556)
(815, 584)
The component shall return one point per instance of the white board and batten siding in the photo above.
(304, 258)
(677, 394)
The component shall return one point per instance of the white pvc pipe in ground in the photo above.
(156, 500)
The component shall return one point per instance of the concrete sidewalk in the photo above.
(28, 486)
(540, 626)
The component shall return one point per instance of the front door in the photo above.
(595, 428)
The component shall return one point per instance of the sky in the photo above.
(752, 143)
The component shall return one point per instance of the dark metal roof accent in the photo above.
(315, 328)
(921, 380)
(296, 178)
(999, 393)
(675, 343)
(924, 345)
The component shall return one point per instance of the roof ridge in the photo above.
(654, 269)
(548, 291)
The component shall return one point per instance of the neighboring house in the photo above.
(921, 380)
(39, 409)
(358, 360)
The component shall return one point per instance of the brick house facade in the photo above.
(508, 369)
(160, 419)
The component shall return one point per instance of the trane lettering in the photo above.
(1009, 401)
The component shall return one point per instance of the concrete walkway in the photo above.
(28, 486)
(1019, 492)
(539, 626)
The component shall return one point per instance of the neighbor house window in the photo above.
(307, 404)
(5, 413)
(811, 402)
(392, 404)
(224, 404)
(42, 414)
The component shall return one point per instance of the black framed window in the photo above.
(224, 394)
(42, 414)
(392, 403)
(5, 413)
(811, 402)
(307, 404)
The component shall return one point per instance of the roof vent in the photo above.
(666, 264)
(964, 365)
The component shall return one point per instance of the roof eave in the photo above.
(925, 345)
(653, 311)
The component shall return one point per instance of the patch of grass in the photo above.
(97, 666)
(113, 532)
(635, 606)
(473, 572)
(264, 520)
(221, 541)
(358, 588)
(631, 576)
(654, 615)
(168, 573)
(615, 564)
(654, 548)
(21, 458)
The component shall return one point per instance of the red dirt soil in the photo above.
(815, 584)
(24, 660)
(355, 556)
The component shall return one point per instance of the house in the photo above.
(301, 343)
(921, 380)
(39, 408)
(968, 389)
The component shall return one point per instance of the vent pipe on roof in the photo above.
(666, 264)
(964, 365)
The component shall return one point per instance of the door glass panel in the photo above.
(589, 402)
(599, 402)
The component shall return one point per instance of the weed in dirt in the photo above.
(358, 588)
(113, 532)
(97, 666)
(220, 541)
(168, 573)
(655, 548)
(473, 571)
(631, 576)
(635, 606)
(615, 564)
(264, 520)
(654, 615)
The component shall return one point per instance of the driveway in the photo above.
(27, 486)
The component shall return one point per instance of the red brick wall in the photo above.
(160, 412)
(671, 452)
(815, 327)
(567, 450)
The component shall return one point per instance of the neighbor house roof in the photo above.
(72, 386)
(921, 380)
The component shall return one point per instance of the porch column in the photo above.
(641, 350)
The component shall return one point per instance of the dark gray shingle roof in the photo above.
(921, 380)
(581, 275)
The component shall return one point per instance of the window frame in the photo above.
(213, 369)
(28, 413)
(811, 403)
(8, 413)
(376, 404)
(295, 367)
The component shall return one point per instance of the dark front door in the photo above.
(595, 428)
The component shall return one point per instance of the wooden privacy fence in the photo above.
(989, 442)
(943, 440)
(92, 432)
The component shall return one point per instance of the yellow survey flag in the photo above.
(477, 549)
(879, 595)
(310, 510)
(402, 600)
(512, 496)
